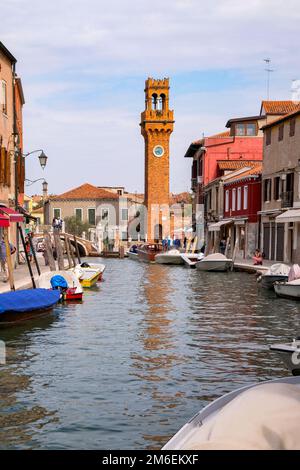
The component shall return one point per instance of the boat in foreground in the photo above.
(172, 256)
(288, 290)
(249, 418)
(72, 290)
(289, 354)
(22, 305)
(215, 262)
(148, 251)
(278, 272)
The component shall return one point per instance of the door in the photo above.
(266, 240)
(280, 242)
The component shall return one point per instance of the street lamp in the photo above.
(42, 157)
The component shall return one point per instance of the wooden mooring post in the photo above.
(77, 249)
(59, 251)
(49, 251)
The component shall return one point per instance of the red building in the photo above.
(242, 202)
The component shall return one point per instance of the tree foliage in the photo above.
(75, 226)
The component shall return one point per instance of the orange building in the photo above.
(156, 127)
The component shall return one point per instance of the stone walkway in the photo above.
(22, 277)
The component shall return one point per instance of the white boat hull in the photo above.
(132, 255)
(214, 265)
(287, 290)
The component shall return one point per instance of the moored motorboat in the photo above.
(73, 289)
(172, 256)
(278, 272)
(288, 290)
(289, 354)
(191, 259)
(87, 277)
(22, 305)
(215, 262)
(132, 252)
(100, 267)
(248, 418)
(148, 251)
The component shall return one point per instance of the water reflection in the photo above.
(18, 421)
(143, 352)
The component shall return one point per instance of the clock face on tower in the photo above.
(158, 151)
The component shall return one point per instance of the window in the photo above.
(245, 205)
(292, 127)
(277, 188)
(124, 236)
(227, 201)
(124, 214)
(120, 192)
(92, 216)
(251, 129)
(78, 215)
(246, 129)
(280, 132)
(239, 129)
(56, 213)
(4, 97)
(267, 190)
(233, 199)
(268, 136)
(104, 214)
(239, 199)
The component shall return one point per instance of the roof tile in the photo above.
(87, 191)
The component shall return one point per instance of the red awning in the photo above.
(4, 221)
(12, 215)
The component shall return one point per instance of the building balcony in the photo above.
(287, 199)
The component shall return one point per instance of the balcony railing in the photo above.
(287, 199)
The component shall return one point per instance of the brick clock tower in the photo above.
(156, 127)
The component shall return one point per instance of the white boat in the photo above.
(289, 354)
(132, 253)
(289, 290)
(191, 259)
(89, 267)
(74, 290)
(249, 418)
(215, 262)
(278, 272)
(172, 256)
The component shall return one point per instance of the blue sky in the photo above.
(83, 65)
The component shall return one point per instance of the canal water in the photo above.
(145, 351)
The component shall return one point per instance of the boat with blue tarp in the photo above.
(23, 305)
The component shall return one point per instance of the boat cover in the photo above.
(58, 281)
(294, 272)
(28, 300)
(265, 417)
(215, 257)
(278, 269)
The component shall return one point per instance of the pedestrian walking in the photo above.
(3, 258)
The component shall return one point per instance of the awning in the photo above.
(12, 215)
(4, 221)
(292, 215)
(216, 227)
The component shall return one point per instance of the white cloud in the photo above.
(72, 50)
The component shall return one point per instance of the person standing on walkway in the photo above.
(3, 257)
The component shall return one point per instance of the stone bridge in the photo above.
(86, 247)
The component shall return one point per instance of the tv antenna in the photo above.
(269, 71)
